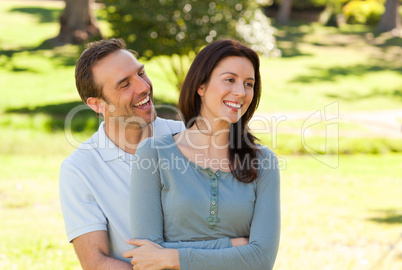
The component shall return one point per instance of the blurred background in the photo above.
(331, 108)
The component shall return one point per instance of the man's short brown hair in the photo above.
(95, 51)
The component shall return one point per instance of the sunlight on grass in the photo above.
(33, 23)
(326, 212)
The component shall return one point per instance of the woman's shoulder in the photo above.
(266, 159)
(264, 152)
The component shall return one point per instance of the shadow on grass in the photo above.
(78, 116)
(61, 58)
(320, 74)
(81, 117)
(289, 39)
(389, 216)
(395, 41)
(353, 96)
(45, 15)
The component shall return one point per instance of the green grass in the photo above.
(321, 65)
(32, 228)
(339, 212)
(342, 218)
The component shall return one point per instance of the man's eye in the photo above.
(126, 84)
(141, 73)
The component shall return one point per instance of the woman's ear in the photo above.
(201, 90)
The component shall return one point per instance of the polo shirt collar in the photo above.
(107, 149)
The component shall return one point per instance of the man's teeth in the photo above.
(235, 105)
(145, 100)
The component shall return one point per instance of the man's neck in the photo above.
(127, 136)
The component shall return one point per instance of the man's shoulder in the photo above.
(158, 145)
(167, 126)
(84, 153)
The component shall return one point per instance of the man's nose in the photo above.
(141, 85)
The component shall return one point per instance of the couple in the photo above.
(222, 212)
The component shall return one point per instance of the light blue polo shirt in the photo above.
(95, 187)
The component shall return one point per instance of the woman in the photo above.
(211, 181)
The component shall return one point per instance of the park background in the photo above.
(330, 109)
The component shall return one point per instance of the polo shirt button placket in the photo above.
(213, 219)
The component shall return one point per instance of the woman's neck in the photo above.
(214, 135)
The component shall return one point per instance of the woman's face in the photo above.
(229, 92)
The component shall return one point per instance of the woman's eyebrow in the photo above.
(228, 72)
(234, 74)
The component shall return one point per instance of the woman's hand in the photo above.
(238, 242)
(149, 255)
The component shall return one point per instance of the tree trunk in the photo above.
(284, 12)
(390, 19)
(77, 23)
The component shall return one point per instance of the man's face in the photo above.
(126, 89)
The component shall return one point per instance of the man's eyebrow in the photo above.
(234, 74)
(120, 82)
(127, 77)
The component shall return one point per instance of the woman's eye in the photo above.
(251, 85)
(231, 80)
(142, 73)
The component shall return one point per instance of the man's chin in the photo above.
(140, 121)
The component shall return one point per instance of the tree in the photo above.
(284, 12)
(77, 23)
(332, 14)
(390, 19)
(179, 28)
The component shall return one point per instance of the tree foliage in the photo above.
(181, 27)
(363, 12)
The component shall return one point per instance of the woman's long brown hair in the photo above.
(242, 146)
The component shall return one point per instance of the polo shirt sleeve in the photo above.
(81, 212)
(146, 206)
(263, 245)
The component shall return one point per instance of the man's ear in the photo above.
(201, 90)
(97, 104)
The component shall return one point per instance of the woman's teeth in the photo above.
(234, 105)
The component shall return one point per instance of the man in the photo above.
(95, 178)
